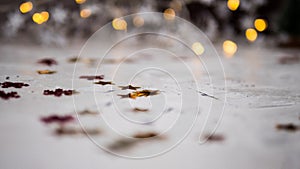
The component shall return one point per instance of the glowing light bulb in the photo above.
(119, 24)
(198, 48)
(138, 21)
(26, 7)
(260, 24)
(85, 13)
(229, 48)
(251, 34)
(233, 4)
(169, 14)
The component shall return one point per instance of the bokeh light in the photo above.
(229, 48)
(85, 13)
(251, 34)
(138, 21)
(37, 18)
(198, 48)
(26, 7)
(233, 4)
(119, 24)
(40, 18)
(45, 16)
(80, 1)
(169, 14)
(260, 24)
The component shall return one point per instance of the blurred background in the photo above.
(260, 40)
(274, 22)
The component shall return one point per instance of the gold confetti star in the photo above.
(42, 72)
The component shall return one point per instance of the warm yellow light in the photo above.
(169, 14)
(260, 24)
(233, 4)
(26, 7)
(229, 48)
(198, 48)
(251, 34)
(37, 18)
(85, 13)
(40, 18)
(138, 21)
(45, 16)
(119, 24)
(80, 1)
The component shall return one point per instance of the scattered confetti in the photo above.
(73, 59)
(13, 84)
(63, 130)
(59, 92)
(206, 95)
(8, 95)
(57, 119)
(124, 96)
(47, 61)
(83, 60)
(104, 83)
(287, 127)
(145, 135)
(142, 93)
(140, 110)
(214, 137)
(122, 144)
(118, 60)
(126, 143)
(88, 112)
(182, 57)
(109, 91)
(130, 87)
(42, 72)
(92, 77)
(168, 110)
(108, 104)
